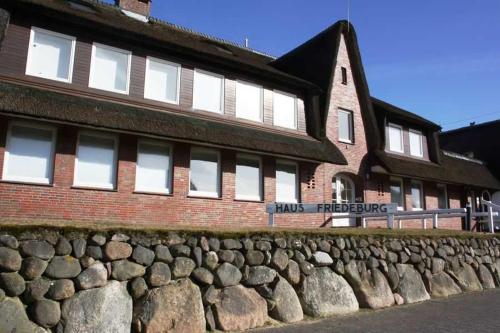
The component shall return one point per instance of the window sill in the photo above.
(90, 188)
(163, 194)
(19, 182)
(192, 196)
(249, 200)
(346, 142)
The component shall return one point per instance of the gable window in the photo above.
(442, 196)
(346, 128)
(397, 192)
(416, 145)
(344, 75)
(395, 136)
(284, 110)
(287, 181)
(110, 69)
(50, 55)
(417, 196)
(204, 174)
(96, 159)
(249, 101)
(208, 91)
(248, 177)
(162, 81)
(154, 167)
(29, 153)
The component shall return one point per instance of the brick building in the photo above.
(107, 114)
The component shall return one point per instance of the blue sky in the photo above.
(437, 58)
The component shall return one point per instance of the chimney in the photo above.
(140, 7)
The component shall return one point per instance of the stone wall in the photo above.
(190, 282)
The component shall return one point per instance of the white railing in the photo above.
(492, 212)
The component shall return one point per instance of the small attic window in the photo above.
(344, 75)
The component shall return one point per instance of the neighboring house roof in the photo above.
(21, 100)
(453, 169)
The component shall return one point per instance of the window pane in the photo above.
(442, 197)
(153, 168)
(162, 81)
(416, 195)
(416, 144)
(110, 69)
(208, 92)
(248, 101)
(345, 126)
(204, 172)
(284, 108)
(30, 154)
(50, 56)
(286, 182)
(96, 161)
(248, 182)
(395, 139)
(396, 193)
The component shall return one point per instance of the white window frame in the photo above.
(421, 137)
(222, 94)
(28, 71)
(46, 181)
(178, 83)
(296, 111)
(261, 106)
(422, 196)
(92, 67)
(162, 144)
(389, 138)
(297, 180)
(261, 187)
(401, 186)
(443, 186)
(351, 126)
(217, 193)
(98, 134)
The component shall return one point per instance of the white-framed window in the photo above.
(204, 173)
(284, 109)
(417, 195)
(395, 137)
(29, 153)
(397, 192)
(287, 181)
(154, 167)
(96, 160)
(416, 143)
(163, 79)
(50, 55)
(249, 101)
(208, 91)
(346, 126)
(442, 193)
(248, 177)
(110, 69)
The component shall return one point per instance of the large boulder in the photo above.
(106, 309)
(227, 275)
(13, 317)
(466, 278)
(371, 288)
(411, 287)
(238, 308)
(175, 308)
(485, 277)
(10, 260)
(325, 293)
(442, 285)
(286, 303)
(93, 277)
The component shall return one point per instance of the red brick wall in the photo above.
(142, 7)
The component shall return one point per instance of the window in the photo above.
(29, 153)
(50, 55)
(344, 75)
(284, 110)
(417, 199)
(248, 177)
(208, 91)
(287, 189)
(397, 193)
(442, 196)
(204, 178)
(96, 157)
(154, 167)
(395, 138)
(416, 147)
(346, 133)
(162, 81)
(249, 101)
(110, 69)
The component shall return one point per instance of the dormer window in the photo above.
(416, 144)
(395, 136)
